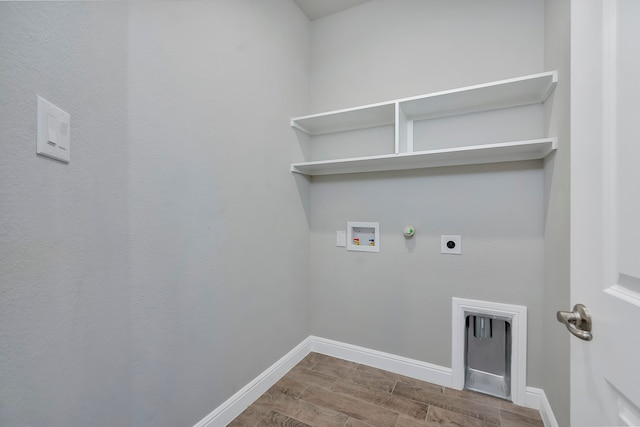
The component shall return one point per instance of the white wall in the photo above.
(399, 300)
(556, 230)
(175, 266)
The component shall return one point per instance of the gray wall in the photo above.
(219, 253)
(384, 50)
(166, 266)
(65, 323)
(556, 229)
(399, 300)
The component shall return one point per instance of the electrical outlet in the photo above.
(341, 238)
(451, 245)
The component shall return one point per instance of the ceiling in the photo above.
(316, 9)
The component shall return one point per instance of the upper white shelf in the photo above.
(489, 96)
(348, 119)
(533, 89)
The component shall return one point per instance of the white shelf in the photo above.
(463, 103)
(534, 89)
(348, 119)
(489, 96)
(489, 153)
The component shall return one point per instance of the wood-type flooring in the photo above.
(324, 391)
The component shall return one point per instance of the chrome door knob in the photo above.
(578, 321)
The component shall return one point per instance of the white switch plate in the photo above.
(451, 244)
(341, 238)
(53, 131)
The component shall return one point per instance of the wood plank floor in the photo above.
(324, 391)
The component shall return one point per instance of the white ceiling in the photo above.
(316, 9)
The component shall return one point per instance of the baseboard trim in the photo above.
(536, 398)
(389, 362)
(232, 407)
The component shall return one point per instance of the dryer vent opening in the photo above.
(488, 355)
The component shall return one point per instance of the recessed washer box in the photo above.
(363, 236)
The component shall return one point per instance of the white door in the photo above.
(605, 210)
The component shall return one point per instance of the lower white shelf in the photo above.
(470, 155)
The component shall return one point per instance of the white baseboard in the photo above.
(230, 409)
(537, 399)
(389, 362)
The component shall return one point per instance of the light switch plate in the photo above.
(450, 244)
(53, 131)
(341, 238)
